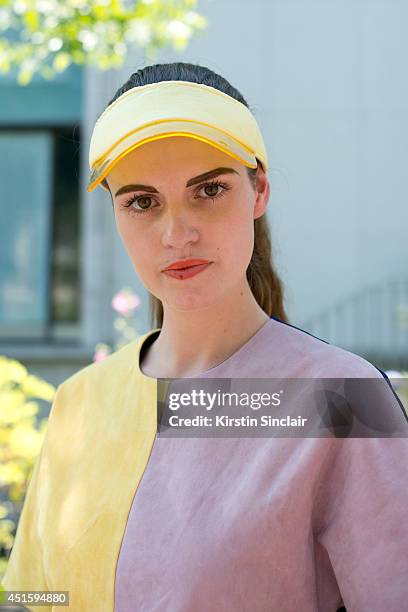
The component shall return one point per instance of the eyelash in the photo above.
(134, 198)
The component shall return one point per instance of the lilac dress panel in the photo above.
(270, 524)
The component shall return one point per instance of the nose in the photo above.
(178, 230)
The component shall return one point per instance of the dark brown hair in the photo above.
(262, 277)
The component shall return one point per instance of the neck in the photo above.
(191, 342)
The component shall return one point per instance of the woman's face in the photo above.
(164, 213)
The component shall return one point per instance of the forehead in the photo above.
(167, 156)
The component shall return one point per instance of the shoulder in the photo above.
(314, 357)
(91, 397)
(100, 378)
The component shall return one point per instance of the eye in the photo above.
(213, 187)
(135, 198)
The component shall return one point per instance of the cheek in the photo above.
(137, 244)
(236, 240)
(127, 234)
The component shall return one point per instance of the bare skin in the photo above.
(210, 316)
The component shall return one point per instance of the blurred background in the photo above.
(327, 83)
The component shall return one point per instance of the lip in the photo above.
(186, 263)
(183, 274)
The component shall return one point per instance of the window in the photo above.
(39, 234)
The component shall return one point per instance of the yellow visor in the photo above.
(173, 108)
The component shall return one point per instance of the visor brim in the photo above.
(157, 131)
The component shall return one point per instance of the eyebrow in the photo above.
(190, 182)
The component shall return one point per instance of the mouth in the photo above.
(187, 272)
(187, 264)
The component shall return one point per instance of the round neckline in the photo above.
(149, 336)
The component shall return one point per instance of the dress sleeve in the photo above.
(25, 569)
(364, 528)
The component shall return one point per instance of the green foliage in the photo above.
(21, 437)
(52, 34)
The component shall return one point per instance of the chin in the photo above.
(188, 302)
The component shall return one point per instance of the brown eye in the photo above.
(140, 202)
(136, 204)
(211, 190)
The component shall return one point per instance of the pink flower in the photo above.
(125, 302)
(100, 354)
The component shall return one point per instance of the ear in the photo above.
(262, 193)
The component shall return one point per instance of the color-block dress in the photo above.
(128, 521)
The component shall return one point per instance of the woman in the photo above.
(129, 521)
